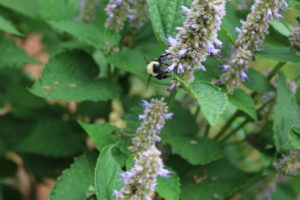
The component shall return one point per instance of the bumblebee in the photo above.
(157, 68)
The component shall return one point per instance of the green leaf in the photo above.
(58, 10)
(275, 38)
(101, 134)
(42, 167)
(70, 76)
(76, 182)
(182, 123)
(45, 9)
(11, 55)
(294, 136)
(2, 147)
(244, 102)
(6, 26)
(84, 32)
(13, 132)
(169, 188)
(13, 87)
(7, 168)
(284, 191)
(87, 33)
(29, 7)
(282, 54)
(257, 82)
(129, 60)
(211, 72)
(291, 2)
(166, 16)
(10, 192)
(211, 99)
(230, 22)
(286, 114)
(281, 27)
(195, 151)
(216, 180)
(107, 175)
(1, 193)
(94, 110)
(53, 138)
(131, 118)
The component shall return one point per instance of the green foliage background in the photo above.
(54, 141)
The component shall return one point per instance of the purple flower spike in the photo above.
(250, 36)
(197, 39)
(141, 184)
(153, 118)
(289, 164)
(295, 38)
(119, 11)
(88, 9)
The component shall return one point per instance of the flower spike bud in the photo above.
(289, 164)
(88, 9)
(153, 119)
(117, 11)
(138, 14)
(140, 181)
(295, 38)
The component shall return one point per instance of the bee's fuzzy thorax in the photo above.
(150, 68)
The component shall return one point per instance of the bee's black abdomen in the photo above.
(163, 75)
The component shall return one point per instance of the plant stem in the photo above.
(227, 125)
(253, 95)
(235, 130)
(271, 74)
(207, 128)
(275, 70)
(244, 122)
(197, 111)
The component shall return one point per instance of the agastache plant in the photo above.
(295, 38)
(289, 164)
(197, 38)
(250, 37)
(88, 9)
(153, 120)
(117, 11)
(140, 181)
(138, 13)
